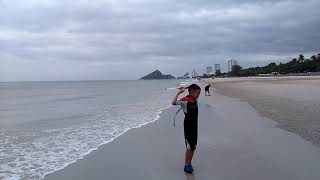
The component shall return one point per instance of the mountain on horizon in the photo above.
(157, 75)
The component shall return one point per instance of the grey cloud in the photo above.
(184, 34)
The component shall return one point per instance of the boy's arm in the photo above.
(181, 90)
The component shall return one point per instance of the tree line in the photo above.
(296, 65)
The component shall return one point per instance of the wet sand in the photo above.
(235, 143)
(293, 102)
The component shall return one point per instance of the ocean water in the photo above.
(45, 126)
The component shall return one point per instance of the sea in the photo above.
(45, 126)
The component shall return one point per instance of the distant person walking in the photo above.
(207, 90)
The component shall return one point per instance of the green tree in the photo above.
(301, 58)
(272, 67)
(236, 70)
(296, 65)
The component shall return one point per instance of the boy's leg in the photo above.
(189, 156)
(191, 143)
(190, 132)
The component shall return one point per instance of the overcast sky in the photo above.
(126, 39)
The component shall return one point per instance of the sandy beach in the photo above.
(293, 102)
(235, 143)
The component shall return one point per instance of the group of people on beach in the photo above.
(190, 108)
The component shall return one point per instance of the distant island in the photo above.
(157, 75)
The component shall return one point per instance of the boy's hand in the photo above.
(181, 89)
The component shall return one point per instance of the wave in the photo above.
(55, 149)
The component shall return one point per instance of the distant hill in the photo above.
(185, 76)
(157, 75)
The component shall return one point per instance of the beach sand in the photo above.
(235, 143)
(293, 102)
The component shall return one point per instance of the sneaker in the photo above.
(191, 167)
(188, 168)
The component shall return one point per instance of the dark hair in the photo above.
(193, 87)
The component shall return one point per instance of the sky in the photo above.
(49, 40)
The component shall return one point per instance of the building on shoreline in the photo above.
(194, 74)
(231, 63)
(185, 76)
(209, 70)
(217, 68)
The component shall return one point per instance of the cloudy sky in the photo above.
(126, 39)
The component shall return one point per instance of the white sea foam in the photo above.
(54, 149)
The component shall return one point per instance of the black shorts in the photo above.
(190, 136)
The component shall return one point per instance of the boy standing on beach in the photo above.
(190, 109)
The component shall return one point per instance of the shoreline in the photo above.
(227, 149)
(115, 140)
(158, 113)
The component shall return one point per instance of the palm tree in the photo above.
(301, 58)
